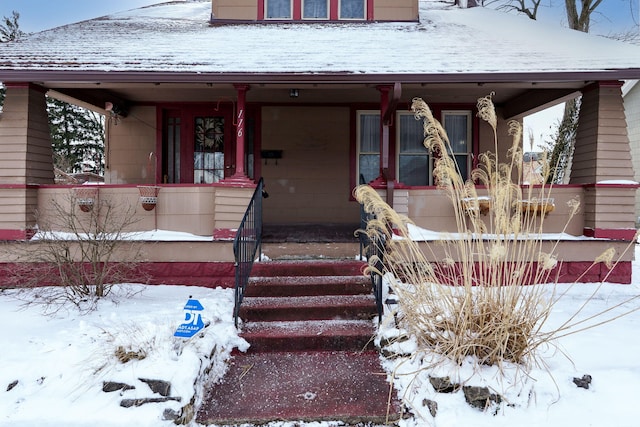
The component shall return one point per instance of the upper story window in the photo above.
(315, 9)
(352, 9)
(278, 9)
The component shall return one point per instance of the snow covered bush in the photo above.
(79, 253)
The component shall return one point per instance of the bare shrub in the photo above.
(471, 302)
(78, 255)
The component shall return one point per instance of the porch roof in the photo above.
(173, 42)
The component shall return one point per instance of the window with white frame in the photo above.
(368, 133)
(278, 9)
(352, 9)
(457, 124)
(315, 9)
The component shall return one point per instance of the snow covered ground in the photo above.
(60, 362)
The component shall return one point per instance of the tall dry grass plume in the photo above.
(471, 301)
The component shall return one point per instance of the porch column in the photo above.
(602, 163)
(26, 158)
(240, 177)
(381, 180)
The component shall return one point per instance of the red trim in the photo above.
(611, 185)
(624, 234)
(21, 186)
(369, 16)
(297, 10)
(224, 234)
(7, 234)
(333, 10)
(260, 10)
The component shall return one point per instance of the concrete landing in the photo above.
(300, 386)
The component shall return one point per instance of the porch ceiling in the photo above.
(516, 98)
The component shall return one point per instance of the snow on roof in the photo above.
(177, 38)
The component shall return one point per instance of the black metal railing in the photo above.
(372, 246)
(246, 245)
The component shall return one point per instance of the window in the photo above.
(352, 9)
(368, 133)
(278, 9)
(208, 152)
(458, 126)
(315, 9)
(414, 160)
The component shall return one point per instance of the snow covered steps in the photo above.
(298, 312)
(307, 324)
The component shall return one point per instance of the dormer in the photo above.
(278, 11)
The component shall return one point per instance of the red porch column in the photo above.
(240, 176)
(381, 180)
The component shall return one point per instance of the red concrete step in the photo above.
(308, 268)
(300, 386)
(354, 335)
(278, 286)
(324, 307)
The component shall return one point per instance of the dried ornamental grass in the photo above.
(476, 305)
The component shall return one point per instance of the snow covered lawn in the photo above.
(60, 362)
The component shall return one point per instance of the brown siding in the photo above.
(235, 9)
(130, 142)
(25, 144)
(395, 10)
(311, 181)
(231, 204)
(602, 149)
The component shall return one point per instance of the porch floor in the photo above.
(310, 241)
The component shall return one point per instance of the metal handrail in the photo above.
(373, 248)
(247, 243)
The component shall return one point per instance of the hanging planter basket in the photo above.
(85, 197)
(148, 196)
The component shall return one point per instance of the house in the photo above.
(203, 98)
(631, 95)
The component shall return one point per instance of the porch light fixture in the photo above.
(293, 93)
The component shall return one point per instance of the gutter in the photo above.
(329, 77)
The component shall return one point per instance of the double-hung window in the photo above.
(413, 162)
(352, 9)
(457, 124)
(315, 9)
(368, 131)
(278, 9)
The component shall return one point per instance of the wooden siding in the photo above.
(609, 207)
(395, 10)
(235, 9)
(26, 156)
(18, 207)
(383, 10)
(602, 149)
(632, 114)
(231, 204)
